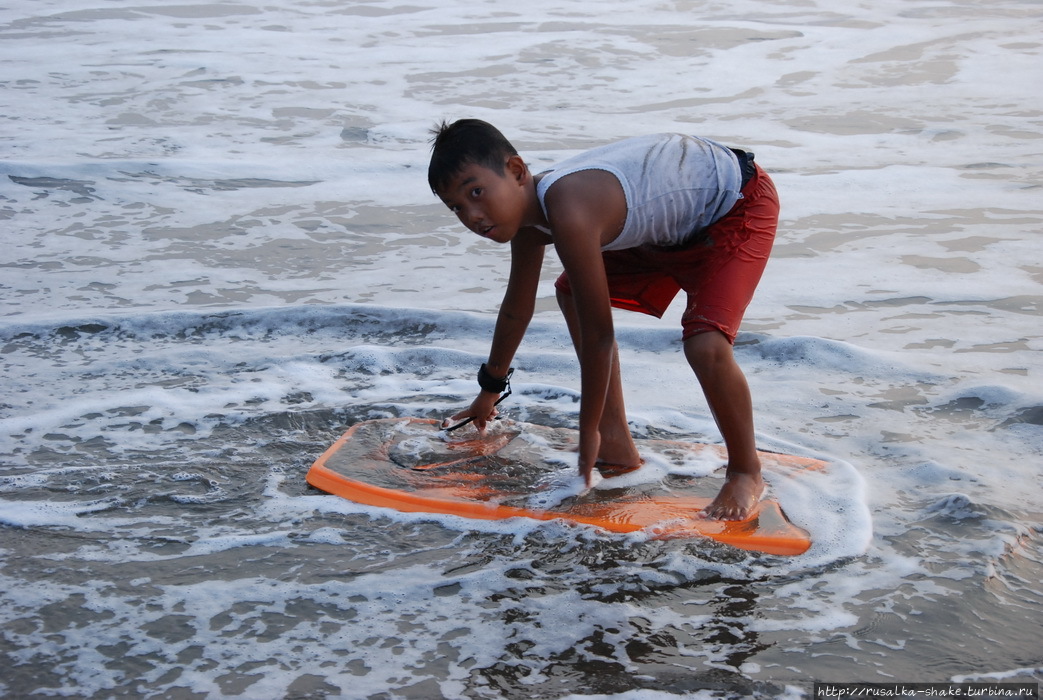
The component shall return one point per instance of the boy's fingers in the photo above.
(451, 420)
(587, 472)
(470, 416)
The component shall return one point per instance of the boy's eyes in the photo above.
(474, 193)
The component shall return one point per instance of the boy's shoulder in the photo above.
(586, 200)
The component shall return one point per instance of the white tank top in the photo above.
(675, 185)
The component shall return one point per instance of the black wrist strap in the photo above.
(491, 384)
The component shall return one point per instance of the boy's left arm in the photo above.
(581, 213)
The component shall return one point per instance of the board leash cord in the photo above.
(506, 393)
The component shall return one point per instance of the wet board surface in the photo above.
(523, 470)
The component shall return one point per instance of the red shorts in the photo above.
(719, 270)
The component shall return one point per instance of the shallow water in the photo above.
(220, 252)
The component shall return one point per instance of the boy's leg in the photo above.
(728, 395)
(716, 306)
(617, 445)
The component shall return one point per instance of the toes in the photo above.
(727, 513)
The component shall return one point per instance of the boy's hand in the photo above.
(481, 411)
(589, 445)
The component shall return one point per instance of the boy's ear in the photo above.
(517, 168)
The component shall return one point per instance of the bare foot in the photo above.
(617, 456)
(619, 451)
(612, 470)
(737, 499)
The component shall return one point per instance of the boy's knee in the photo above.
(708, 349)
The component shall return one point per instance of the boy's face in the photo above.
(490, 204)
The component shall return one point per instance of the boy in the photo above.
(633, 223)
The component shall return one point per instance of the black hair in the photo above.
(462, 143)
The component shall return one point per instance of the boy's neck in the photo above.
(534, 214)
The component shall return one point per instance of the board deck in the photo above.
(410, 465)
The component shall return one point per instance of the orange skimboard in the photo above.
(410, 465)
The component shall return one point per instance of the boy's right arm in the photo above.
(519, 303)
